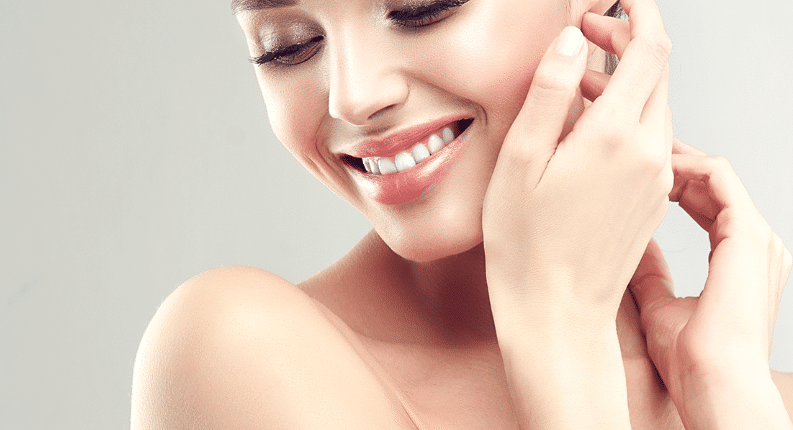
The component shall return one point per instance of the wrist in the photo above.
(553, 306)
(565, 380)
(736, 394)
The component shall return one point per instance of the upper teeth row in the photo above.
(407, 159)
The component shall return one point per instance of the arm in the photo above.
(563, 381)
(733, 399)
(565, 223)
(712, 351)
(239, 348)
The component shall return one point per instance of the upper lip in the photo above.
(392, 144)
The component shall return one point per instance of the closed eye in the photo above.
(424, 14)
(291, 55)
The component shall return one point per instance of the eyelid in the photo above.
(414, 15)
(291, 50)
(284, 34)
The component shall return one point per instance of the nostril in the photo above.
(380, 112)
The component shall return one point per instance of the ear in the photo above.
(579, 7)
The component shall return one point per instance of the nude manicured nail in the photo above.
(570, 41)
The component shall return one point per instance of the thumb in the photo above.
(653, 292)
(535, 133)
(651, 284)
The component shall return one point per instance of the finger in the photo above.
(693, 197)
(695, 201)
(534, 134)
(610, 34)
(643, 61)
(723, 186)
(593, 84)
(736, 222)
(655, 110)
(651, 284)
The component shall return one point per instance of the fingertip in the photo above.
(593, 84)
(570, 42)
(651, 280)
(552, 93)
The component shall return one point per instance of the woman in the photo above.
(509, 216)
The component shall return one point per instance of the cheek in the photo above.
(295, 109)
(489, 55)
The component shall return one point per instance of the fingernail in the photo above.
(570, 41)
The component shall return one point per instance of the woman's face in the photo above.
(349, 84)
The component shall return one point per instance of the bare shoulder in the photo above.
(784, 383)
(238, 347)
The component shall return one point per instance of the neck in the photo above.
(441, 303)
(453, 293)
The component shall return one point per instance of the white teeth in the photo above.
(448, 136)
(409, 158)
(386, 166)
(370, 165)
(435, 143)
(420, 152)
(404, 161)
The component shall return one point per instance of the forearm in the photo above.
(737, 399)
(563, 377)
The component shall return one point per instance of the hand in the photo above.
(566, 221)
(717, 344)
(567, 216)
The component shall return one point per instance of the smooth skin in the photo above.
(556, 311)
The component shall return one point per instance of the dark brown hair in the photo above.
(614, 11)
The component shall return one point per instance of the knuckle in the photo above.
(667, 179)
(658, 47)
(654, 162)
(550, 84)
(718, 166)
(719, 163)
(613, 133)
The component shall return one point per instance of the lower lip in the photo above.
(408, 185)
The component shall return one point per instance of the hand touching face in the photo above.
(348, 81)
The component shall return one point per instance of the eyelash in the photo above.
(409, 18)
(424, 15)
(291, 55)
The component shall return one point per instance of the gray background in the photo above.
(135, 153)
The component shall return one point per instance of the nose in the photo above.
(364, 80)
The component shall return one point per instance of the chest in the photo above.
(467, 389)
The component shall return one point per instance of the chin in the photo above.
(440, 231)
(435, 247)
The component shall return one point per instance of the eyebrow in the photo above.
(242, 5)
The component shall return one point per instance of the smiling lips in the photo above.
(407, 159)
(391, 171)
